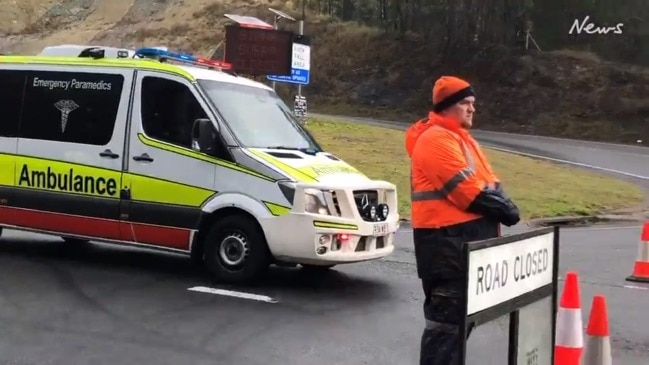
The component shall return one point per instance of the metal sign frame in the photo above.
(510, 307)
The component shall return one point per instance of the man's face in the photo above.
(462, 112)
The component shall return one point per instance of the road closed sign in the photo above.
(501, 273)
(514, 276)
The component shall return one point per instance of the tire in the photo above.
(317, 268)
(235, 250)
(0, 231)
(74, 241)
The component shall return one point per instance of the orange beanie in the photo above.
(448, 90)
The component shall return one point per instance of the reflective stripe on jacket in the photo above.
(448, 170)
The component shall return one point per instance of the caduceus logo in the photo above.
(65, 107)
(365, 201)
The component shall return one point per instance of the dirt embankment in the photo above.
(363, 71)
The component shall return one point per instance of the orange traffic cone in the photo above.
(569, 339)
(598, 345)
(641, 267)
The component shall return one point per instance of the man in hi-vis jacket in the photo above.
(456, 198)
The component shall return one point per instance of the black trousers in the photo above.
(443, 310)
(440, 266)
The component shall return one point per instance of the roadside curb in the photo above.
(566, 221)
(583, 221)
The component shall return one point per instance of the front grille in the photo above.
(363, 198)
(361, 246)
(380, 242)
(334, 198)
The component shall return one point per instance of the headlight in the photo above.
(315, 202)
(383, 211)
(375, 213)
(369, 211)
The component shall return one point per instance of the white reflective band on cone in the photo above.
(598, 351)
(569, 328)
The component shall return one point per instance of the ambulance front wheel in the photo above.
(317, 268)
(235, 249)
(74, 241)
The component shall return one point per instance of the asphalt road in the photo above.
(107, 305)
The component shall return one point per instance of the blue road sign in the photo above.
(297, 77)
(300, 66)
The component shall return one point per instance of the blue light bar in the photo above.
(186, 58)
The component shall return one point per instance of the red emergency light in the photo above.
(214, 63)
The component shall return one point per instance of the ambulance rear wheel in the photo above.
(236, 250)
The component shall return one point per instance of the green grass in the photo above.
(540, 188)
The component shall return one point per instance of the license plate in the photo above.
(380, 229)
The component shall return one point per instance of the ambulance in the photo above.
(169, 151)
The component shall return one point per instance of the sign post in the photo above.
(300, 72)
(515, 276)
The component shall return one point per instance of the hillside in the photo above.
(363, 71)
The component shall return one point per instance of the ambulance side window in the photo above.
(169, 110)
(71, 107)
(11, 97)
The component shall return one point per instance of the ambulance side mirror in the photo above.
(203, 136)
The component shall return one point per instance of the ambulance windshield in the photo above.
(258, 117)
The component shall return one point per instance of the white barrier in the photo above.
(517, 276)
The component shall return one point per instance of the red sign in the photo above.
(257, 51)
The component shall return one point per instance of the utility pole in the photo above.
(299, 98)
(275, 26)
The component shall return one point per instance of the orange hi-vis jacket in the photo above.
(448, 171)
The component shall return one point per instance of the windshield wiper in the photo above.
(285, 148)
(311, 151)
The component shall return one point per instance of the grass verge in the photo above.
(541, 189)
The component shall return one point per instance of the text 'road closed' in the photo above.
(503, 272)
(495, 275)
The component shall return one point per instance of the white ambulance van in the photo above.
(173, 152)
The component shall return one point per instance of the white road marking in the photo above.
(636, 287)
(568, 162)
(609, 285)
(230, 293)
(610, 228)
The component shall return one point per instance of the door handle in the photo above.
(143, 157)
(108, 153)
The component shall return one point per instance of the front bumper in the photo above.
(342, 237)
(310, 239)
